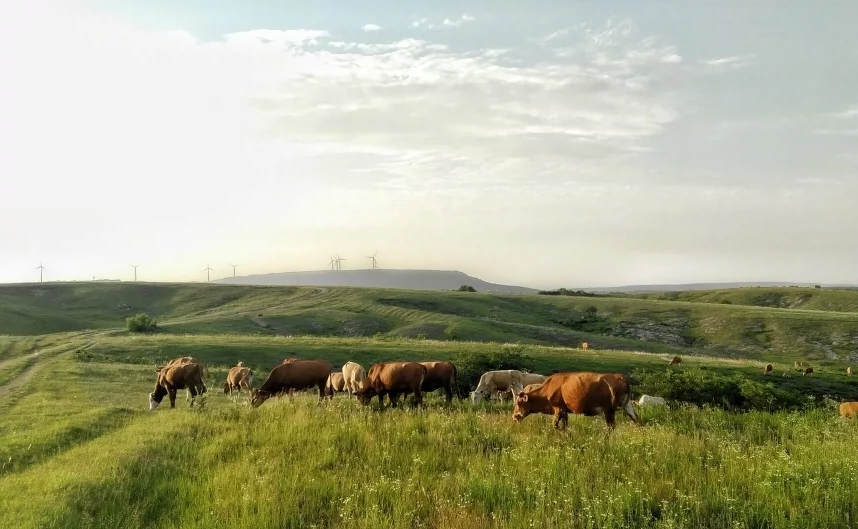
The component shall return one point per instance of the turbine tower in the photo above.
(233, 269)
(135, 271)
(41, 269)
(208, 271)
(339, 264)
(374, 261)
(333, 263)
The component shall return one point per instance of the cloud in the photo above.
(851, 112)
(727, 64)
(456, 23)
(444, 24)
(371, 27)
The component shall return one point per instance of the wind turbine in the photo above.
(135, 271)
(208, 271)
(332, 262)
(41, 269)
(233, 269)
(374, 262)
(339, 265)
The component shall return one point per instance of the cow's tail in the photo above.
(455, 381)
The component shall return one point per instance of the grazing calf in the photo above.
(176, 377)
(649, 400)
(767, 369)
(393, 379)
(849, 409)
(808, 371)
(335, 384)
(355, 377)
(238, 377)
(509, 380)
(675, 360)
(585, 346)
(798, 364)
(182, 360)
(849, 371)
(585, 393)
(292, 375)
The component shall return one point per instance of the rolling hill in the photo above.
(405, 279)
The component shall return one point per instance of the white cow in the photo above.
(354, 376)
(649, 400)
(509, 380)
(532, 378)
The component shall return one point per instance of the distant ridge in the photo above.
(705, 286)
(405, 279)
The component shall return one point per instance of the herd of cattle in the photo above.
(558, 394)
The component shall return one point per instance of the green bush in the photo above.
(140, 323)
(467, 288)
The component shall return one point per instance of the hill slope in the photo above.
(605, 323)
(407, 279)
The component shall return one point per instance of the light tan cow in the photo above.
(508, 380)
(849, 371)
(335, 384)
(238, 378)
(355, 377)
(585, 346)
(532, 378)
(849, 409)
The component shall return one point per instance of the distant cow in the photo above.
(588, 394)
(675, 360)
(183, 360)
(849, 371)
(849, 409)
(508, 380)
(585, 346)
(238, 377)
(294, 375)
(393, 379)
(798, 364)
(649, 400)
(335, 384)
(767, 369)
(355, 377)
(808, 371)
(176, 377)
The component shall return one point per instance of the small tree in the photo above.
(140, 323)
(467, 288)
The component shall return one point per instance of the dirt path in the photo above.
(6, 363)
(24, 376)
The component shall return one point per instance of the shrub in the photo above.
(140, 323)
(471, 366)
(467, 288)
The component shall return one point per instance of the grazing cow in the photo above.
(509, 380)
(808, 371)
(532, 378)
(297, 374)
(649, 400)
(849, 409)
(585, 346)
(798, 364)
(787, 374)
(176, 377)
(335, 384)
(529, 387)
(849, 371)
(355, 377)
(238, 377)
(439, 375)
(585, 393)
(767, 369)
(182, 360)
(393, 379)
(675, 360)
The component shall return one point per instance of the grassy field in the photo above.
(79, 448)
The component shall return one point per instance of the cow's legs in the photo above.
(610, 414)
(449, 391)
(322, 391)
(193, 391)
(560, 417)
(172, 393)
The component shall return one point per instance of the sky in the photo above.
(542, 143)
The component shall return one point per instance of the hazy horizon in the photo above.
(546, 145)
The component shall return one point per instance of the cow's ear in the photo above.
(522, 397)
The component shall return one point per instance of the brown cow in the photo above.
(238, 377)
(585, 393)
(335, 384)
(808, 371)
(585, 346)
(298, 374)
(675, 360)
(176, 377)
(439, 375)
(393, 379)
(767, 369)
(182, 360)
(849, 409)
(849, 371)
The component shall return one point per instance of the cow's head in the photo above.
(258, 396)
(156, 396)
(522, 407)
(478, 395)
(365, 395)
